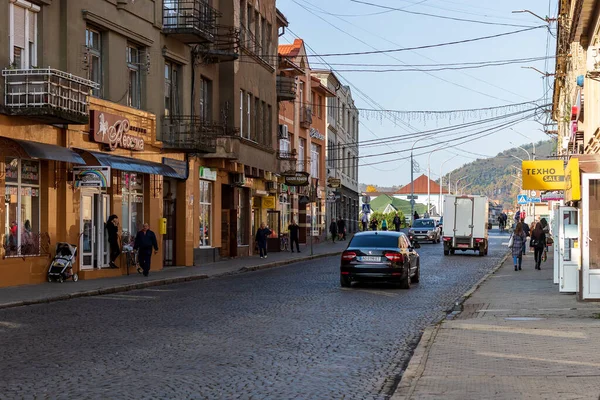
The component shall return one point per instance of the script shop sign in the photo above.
(113, 130)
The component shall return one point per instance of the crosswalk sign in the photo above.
(522, 199)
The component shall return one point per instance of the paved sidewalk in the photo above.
(46, 292)
(517, 338)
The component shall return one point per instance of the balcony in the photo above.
(286, 88)
(225, 47)
(305, 117)
(189, 134)
(49, 95)
(190, 21)
(286, 161)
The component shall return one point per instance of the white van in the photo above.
(465, 224)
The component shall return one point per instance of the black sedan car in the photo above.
(380, 256)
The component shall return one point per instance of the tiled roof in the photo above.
(421, 187)
(291, 50)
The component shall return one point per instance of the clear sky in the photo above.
(343, 26)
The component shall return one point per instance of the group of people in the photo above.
(145, 242)
(374, 223)
(337, 229)
(539, 237)
(502, 220)
(28, 245)
(264, 232)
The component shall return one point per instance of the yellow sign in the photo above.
(268, 202)
(543, 175)
(572, 181)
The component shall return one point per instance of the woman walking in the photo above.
(333, 229)
(262, 235)
(518, 239)
(538, 243)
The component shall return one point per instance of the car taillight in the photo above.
(348, 255)
(395, 257)
(478, 240)
(447, 238)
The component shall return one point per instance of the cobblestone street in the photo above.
(284, 333)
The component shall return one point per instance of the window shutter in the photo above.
(32, 21)
(19, 26)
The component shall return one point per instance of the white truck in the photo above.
(465, 224)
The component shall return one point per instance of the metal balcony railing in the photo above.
(286, 88)
(48, 94)
(305, 117)
(287, 155)
(190, 134)
(190, 21)
(249, 41)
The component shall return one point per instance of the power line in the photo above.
(529, 59)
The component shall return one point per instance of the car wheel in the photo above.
(405, 282)
(345, 281)
(417, 276)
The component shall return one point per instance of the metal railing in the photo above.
(287, 155)
(286, 88)
(29, 89)
(189, 133)
(305, 117)
(249, 41)
(195, 20)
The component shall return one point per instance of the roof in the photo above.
(421, 187)
(291, 50)
(380, 203)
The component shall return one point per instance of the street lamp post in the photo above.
(545, 19)
(442, 181)
(456, 184)
(532, 143)
(412, 179)
(462, 190)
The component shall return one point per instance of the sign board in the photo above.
(334, 182)
(268, 202)
(553, 197)
(572, 181)
(366, 209)
(412, 202)
(86, 177)
(366, 199)
(297, 179)
(113, 130)
(412, 197)
(522, 199)
(543, 175)
(208, 174)
(534, 200)
(315, 134)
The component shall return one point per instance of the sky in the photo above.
(346, 26)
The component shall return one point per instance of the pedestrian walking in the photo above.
(384, 225)
(341, 228)
(112, 228)
(374, 224)
(145, 241)
(333, 230)
(538, 243)
(364, 220)
(516, 243)
(261, 239)
(416, 216)
(546, 229)
(397, 223)
(294, 230)
(527, 232)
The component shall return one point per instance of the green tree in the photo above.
(389, 218)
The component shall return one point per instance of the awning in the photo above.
(129, 164)
(43, 151)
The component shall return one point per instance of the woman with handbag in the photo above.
(538, 243)
(516, 243)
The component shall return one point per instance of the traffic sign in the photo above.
(412, 202)
(522, 199)
(533, 193)
(411, 197)
(366, 209)
(534, 199)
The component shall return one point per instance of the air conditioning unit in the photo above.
(271, 187)
(284, 132)
(593, 59)
(239, 179)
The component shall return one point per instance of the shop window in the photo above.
(242, 217)
(286, 211)
(94, 67)
(132, 205)
(206, 189)
(22, 207)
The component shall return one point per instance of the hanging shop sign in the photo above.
(86, 177)
(113, 130)
(297, 179)
(543, 175)
(315, 134)
(208, 174)
(572, 181)
(181, 167)
(553, 196)
(268, 202)
(334, 182)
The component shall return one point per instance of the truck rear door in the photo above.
(463, 219)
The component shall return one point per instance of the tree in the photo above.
(371, 189)
(389, 217)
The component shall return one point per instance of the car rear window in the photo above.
(374, 241)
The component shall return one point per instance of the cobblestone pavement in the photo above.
(285, 333)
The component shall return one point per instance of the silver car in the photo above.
(424, 230)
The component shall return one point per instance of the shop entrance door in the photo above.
(590, 235)
(554, 223)
(169, 238)
(93, 244)
(568, 242)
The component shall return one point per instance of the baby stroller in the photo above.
(61, 267)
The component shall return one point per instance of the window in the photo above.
(332, 107)
(205, 99)
(315, 159)
(285, 146)
(331, 154)
(94, 48)
(23, 34)
(301, 145)
(248, 115)
(267, 51)
(257, 120)
(269, 124)
(242, 115)
(134, 91)
(172, 89)
(132, 205)
(313, 103)
(263, 37)
(22, 207)
(264, 122)
(206, 188)
(257, 48)
(349, 172)
(319, 106)
(301, 94)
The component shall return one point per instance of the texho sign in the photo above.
(543, 175)
(297, 179)
(113, 130)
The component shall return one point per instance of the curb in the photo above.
(418, 360)
(160, 282)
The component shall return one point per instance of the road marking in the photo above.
(524, 331)
(548, 360)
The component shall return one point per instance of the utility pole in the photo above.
(412, 189)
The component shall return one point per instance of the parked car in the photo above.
(380, 256)
(424, 230)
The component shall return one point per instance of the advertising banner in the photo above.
(543, 175)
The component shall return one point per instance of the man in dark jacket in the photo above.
(341, 228)
(396, 222)
(261, 239)
(145, 241)
(527, 234)
(333, 230)
(294, 230)
(112, 228)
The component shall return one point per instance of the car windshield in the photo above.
(387, 241)
(424, 223)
